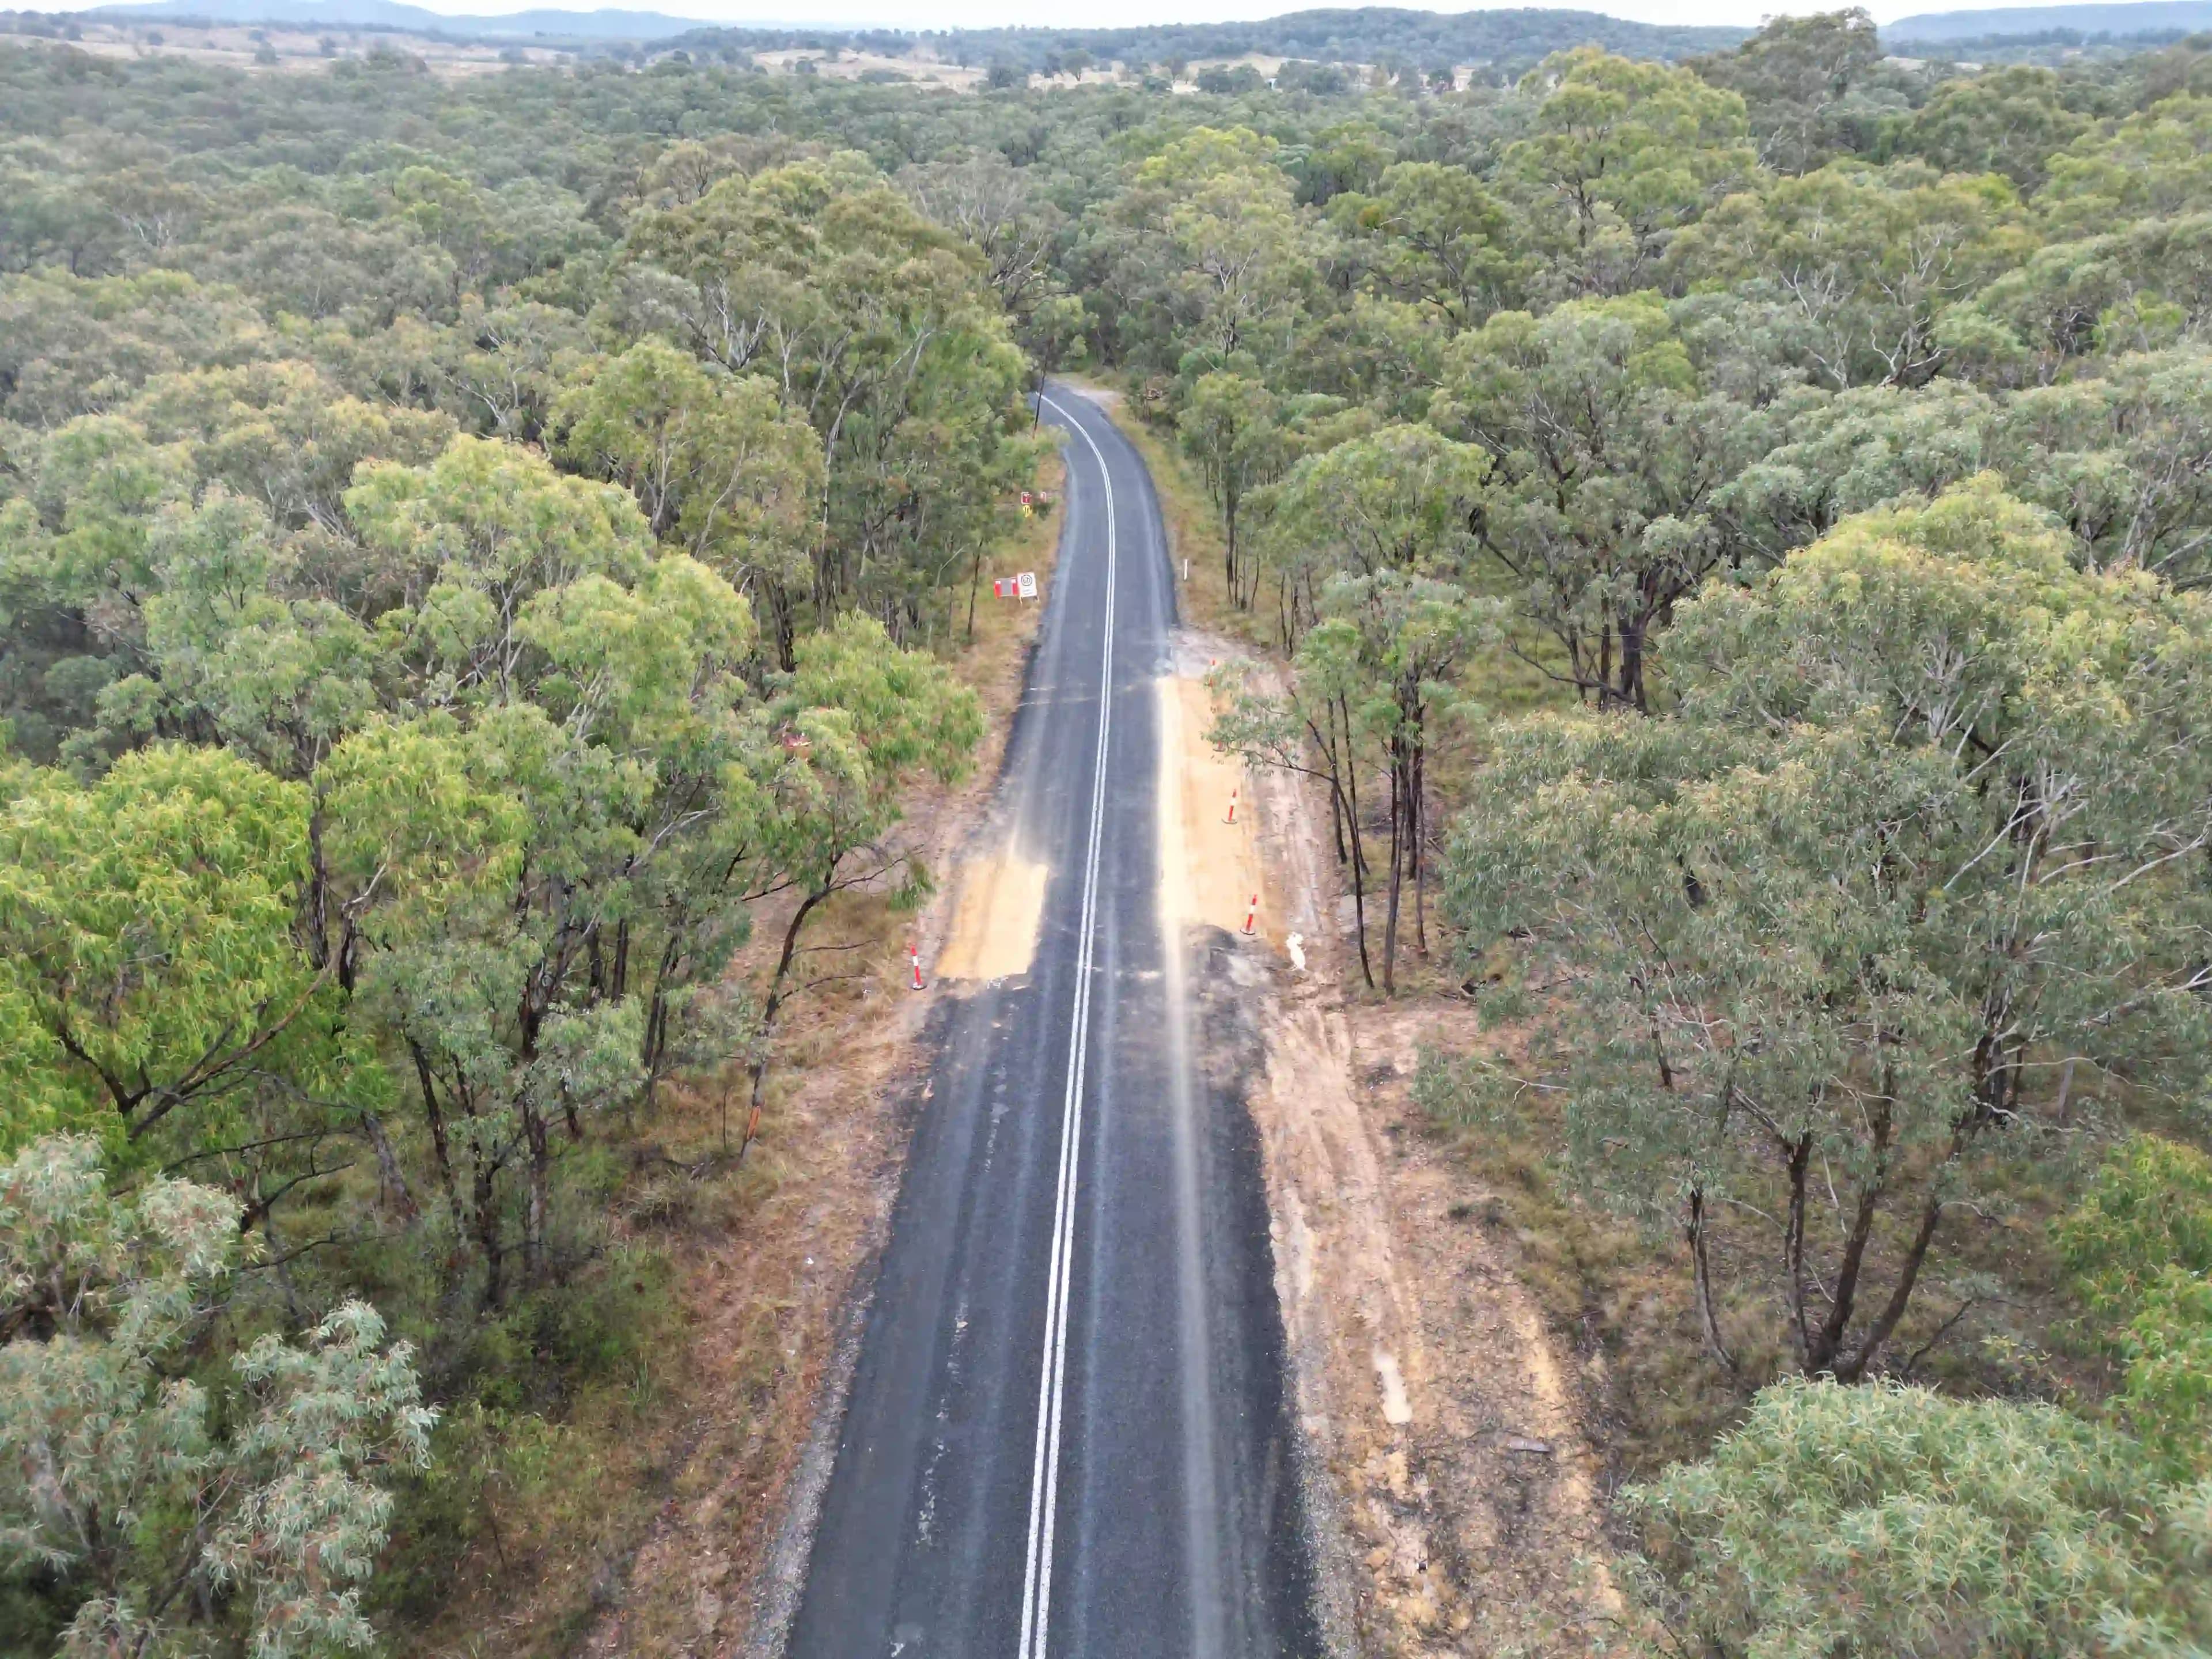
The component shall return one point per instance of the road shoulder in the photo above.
(1455, 1494)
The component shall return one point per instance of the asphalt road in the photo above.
(1068, 1431)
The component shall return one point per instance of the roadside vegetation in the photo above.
(484, 568)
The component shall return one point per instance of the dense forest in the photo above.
(1733, 537)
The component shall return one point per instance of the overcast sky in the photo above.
(1095, 13)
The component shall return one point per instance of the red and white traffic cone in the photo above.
(1232, 818)
(1252, 916)
(915, 956)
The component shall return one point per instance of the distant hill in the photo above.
(1369, 34)
(391, 14)
(2165, 18)
(1365, 35)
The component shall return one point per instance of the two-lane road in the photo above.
(1068, 1430)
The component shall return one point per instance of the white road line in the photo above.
(1044, 1475)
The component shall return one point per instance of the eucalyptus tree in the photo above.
(1928, 821)
(1215, 257)
(1382, 522)
(859, 723)
(1228, 426)
(1835, 456)
(1000, 210)
(1442, 241)
(2124, 458)
(2126, 287)
(882, 329)
(719, 466)
(1608, 451)
(2010, 121)
(2156, 163)
(150, 974)
(1813, 88)
(1886, 1520)
(2139, 1246)
(1620, 158)
(1869, 258)
(171, 1508)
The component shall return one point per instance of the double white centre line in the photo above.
(1052, 1386)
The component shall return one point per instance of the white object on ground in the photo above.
(1297, 943)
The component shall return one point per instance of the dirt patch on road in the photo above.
(1210, 865)
(1445, 1410)
(998, 905)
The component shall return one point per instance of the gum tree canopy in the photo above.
(1929, 819)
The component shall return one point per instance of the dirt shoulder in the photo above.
(1461, 1505)
(1460, 1433)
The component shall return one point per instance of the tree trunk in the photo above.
(317, 923)
(488, 1240)
(1229, 571)
(1417, 808)
(1828, 1341)
(1701, 1269)
(975, 586)
(539, 1199)
(392, 1182)
(656, 1016)
(1854, 1369)
(769, 1012)
(1397, 875)
(436, 1118)
(1793, 1246)
(786, 627)
(1358, 852)
(1336, 785)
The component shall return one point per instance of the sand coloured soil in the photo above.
(995, 922)
(1209, 867)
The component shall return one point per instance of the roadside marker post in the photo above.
(1252, 917)
(913, 955)
(1232, 818)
